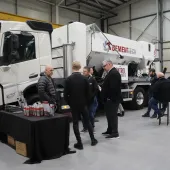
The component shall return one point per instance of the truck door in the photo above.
(20, 63)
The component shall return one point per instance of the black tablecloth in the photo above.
(46, 138)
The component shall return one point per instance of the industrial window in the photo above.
(18, 48)
(149, 47)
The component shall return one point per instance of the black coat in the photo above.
(111, 88)
(46, 89)
(93, 87)
(76, 90)
(161, 90)
(153, 80)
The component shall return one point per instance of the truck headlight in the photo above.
(65, 107)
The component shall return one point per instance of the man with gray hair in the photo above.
(111, 95)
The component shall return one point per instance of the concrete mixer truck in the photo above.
(25, 49)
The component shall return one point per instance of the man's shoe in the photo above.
(69, 151)
(146, 115)
(94, 142)
(84, 131)
(121, 114)
(154, 116)
(106, 133)
(95, 120)
(112, 136)
(78, 146)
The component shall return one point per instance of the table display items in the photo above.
(39, 109)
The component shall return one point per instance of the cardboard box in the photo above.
(11, 141)
(21, 148)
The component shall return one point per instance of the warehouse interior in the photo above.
(125, 18)
(143, 143)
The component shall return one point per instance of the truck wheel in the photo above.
(33, 99)
(138, 101)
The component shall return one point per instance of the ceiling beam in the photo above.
(123, 1)
(79, 11)
(103, 4)
(112, 2)
(73, 3)
(121, 6)
(125, 4)
(104, 10)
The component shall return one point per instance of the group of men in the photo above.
(156, 80)
(80, 93)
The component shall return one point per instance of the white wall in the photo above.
(38, 10)
(143, 8)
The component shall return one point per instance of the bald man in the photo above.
(153, 103)
(46, 87)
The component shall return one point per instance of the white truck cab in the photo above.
(25, 48)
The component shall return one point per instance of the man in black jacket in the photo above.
(76, 94)
(93, 92)
(46, 88)
(153, 80)
(111, 94)
(157, 95)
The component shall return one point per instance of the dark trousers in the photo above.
(83, 111)
(111, 109)
(92, 111)
(153, 104)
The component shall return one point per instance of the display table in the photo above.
(45, 137)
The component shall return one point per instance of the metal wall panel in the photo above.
(42, 11)
(144, 26)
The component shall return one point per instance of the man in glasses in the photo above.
(46, 88)
(111, 95)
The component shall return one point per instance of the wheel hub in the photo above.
(139, 98)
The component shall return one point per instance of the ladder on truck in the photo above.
(62, 63)
(62, 59)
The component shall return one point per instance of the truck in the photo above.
(27, 47)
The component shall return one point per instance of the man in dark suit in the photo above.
(111, 95)
(76, 94)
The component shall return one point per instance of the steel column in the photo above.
(102, 25)
(16, 7)
(130, 22)
(79, 17)
(107, 24)
(160, 31)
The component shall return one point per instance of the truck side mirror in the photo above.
(6, 68)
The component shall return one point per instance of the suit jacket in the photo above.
(111, 88)
(76, 90)
(93, 87)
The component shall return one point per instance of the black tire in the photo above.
(32, 99)
(133, 104)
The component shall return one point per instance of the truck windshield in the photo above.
(18, 48)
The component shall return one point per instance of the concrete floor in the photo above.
(143, 145)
